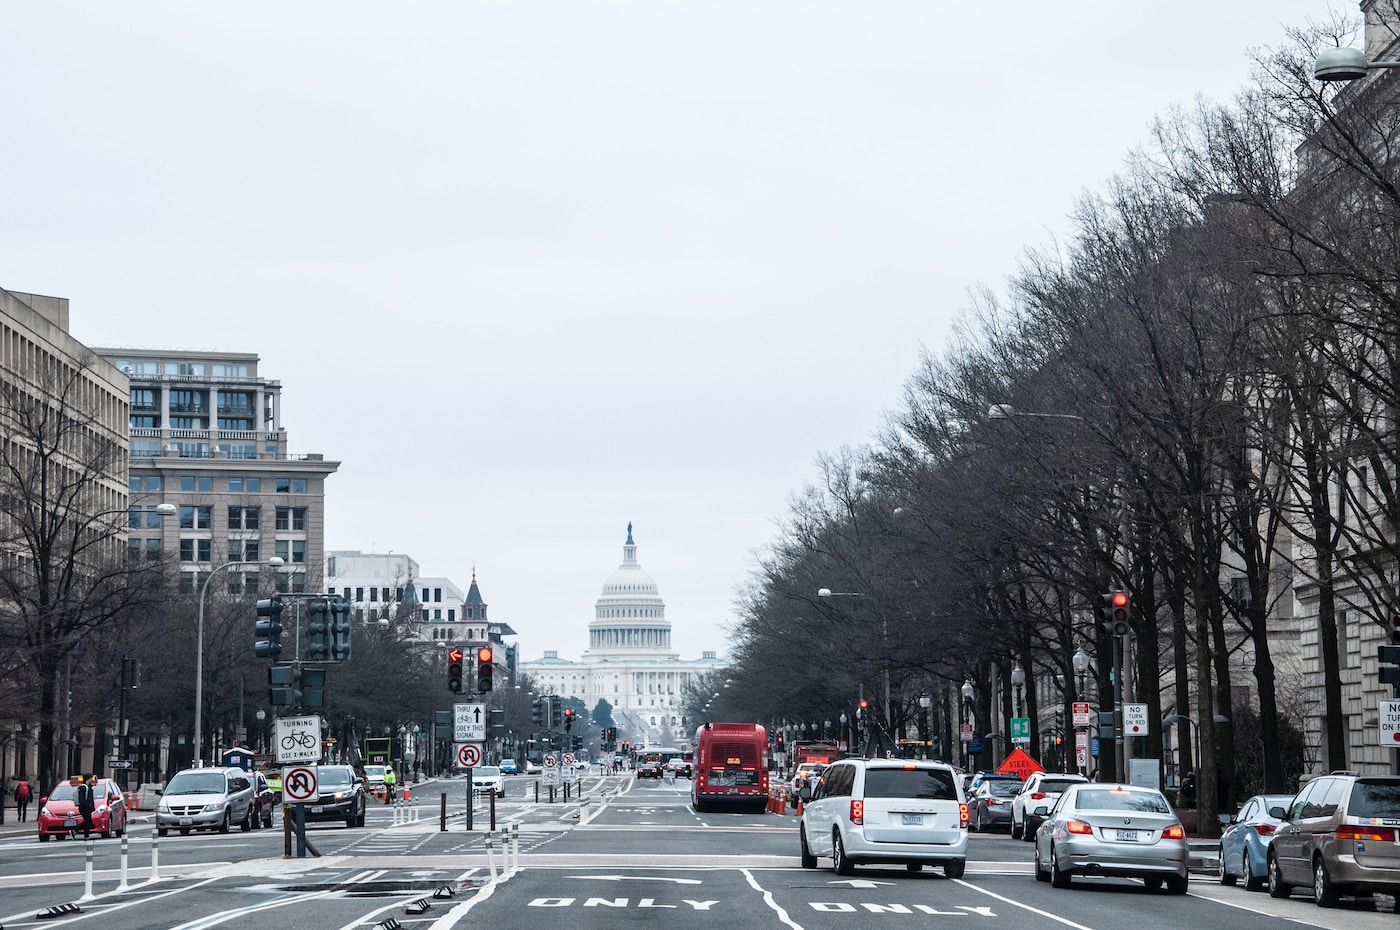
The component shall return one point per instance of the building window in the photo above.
(153, 482)
(284, 485)
(196, 518)
(374, 594)
(244, 550)
(143, 421)
(187, 582)
(192, 450)
(133, 549)
(450, 616)
(143, 400)
(241, 450)
(196, 550)
(185, 369)
(244, 518)
(153, 550)
(235, 485)
(291, 518)
(227, 370)
(186, 423)
(145, 448)
(292, 550)
(134, 521)
(188, 402)
(298, 485)
(437, 595)
(252, 485)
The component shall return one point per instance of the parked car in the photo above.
(1338, 836)
(207, 799)
(990, 804)
(974, 781)
(1041, 789)
(885, 810)
(487, 779)
(1244, 844)
(340, 795)
(58, 813)
(508, 767)
(1112, 830)
(264, 800)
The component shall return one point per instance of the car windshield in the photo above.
(1003, 789)
(1056, 785)
(196, 783)
(1375, 799)
(485, 771)
(374, 770)
(1111, 799)
(64, 792)
(926, 784)
(332, 776)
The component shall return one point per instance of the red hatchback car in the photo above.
(58, 813)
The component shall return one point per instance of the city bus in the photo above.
(658, 754)
(731, 766)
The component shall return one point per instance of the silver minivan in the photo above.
(207, 799)
(1340, 835)
(885, 810)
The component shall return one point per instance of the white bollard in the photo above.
(515, 842)
(155, 856)
(490, 855)
(123, 886)
(87, 872)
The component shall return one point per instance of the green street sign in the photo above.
(1021, 730)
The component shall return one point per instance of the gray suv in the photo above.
(1338, 835)
(207, 799)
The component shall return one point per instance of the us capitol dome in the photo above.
(629, 661)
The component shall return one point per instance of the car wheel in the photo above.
(1225, 876)
(955, 868)
(842, 865)
(360, 820)
(1058, 878)
(161, 831)
(1324, 892)
(914, 866)
(185, 831)
(1252, 882)
(1016, 829)
(224, 824)
(809, 859)
(1040, 875)
(1278, 888)
(267, 819)
(1028, 831)
(107, 833)
(43, 837)
(246, 824)
(1152, 883)
(1178, 884)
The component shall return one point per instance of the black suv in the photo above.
(341, 796)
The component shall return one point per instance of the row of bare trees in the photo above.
(1193, 399)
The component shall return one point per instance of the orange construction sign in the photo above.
(1019, 762)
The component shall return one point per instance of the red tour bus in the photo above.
(731, 766)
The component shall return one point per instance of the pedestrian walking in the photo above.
(86, 804)
(390, 780)
(23, 795)
(1188, 789)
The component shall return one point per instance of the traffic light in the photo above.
(556, 711)
(568, 720)
(578, 743)
(483, 669)
(454, 670)
(780, 741)
(268, 629)
(1389, 671)
(1060, 719)
(1117, 607)
(318, 629)
(537, 711)
(340, 628)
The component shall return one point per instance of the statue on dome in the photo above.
(629, 534)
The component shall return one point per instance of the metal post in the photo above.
(491, 854)
(87, 871)
(1120, 757)
(442, 813)
(155, 856)
(123, 885)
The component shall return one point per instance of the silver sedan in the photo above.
(1112, 830)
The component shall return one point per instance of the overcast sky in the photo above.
(531, 271)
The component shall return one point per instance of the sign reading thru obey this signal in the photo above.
(469, 723)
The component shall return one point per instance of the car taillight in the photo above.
(1078, 826)
(1037, 795)
(962, 815)
(992, 802)
(1356, 831)
(1264, 829)
(1174, 833)
(858, 812)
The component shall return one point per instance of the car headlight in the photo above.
(213, 807)
(44, 811)
(164, 807)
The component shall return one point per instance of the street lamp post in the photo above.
(198, 747)
(888, 709)
(1081, 667)
(967, 694)
(1018, 681)
(925, 702)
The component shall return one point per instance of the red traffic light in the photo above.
(454, 654)
(483, 655)
(1120, 599)
(569, 712)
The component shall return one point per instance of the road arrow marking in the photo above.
(642, 878)
(859, 883)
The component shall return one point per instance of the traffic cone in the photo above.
(799, 805)
(406, 795)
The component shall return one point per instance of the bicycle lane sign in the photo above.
(298, 739)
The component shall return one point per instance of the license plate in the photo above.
(185, 821)
(318, 809)
(1127, 836)
(912, 820)
(70, 823)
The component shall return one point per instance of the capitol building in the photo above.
(629, 661)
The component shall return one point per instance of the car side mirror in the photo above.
(1279, 813)
(160, 792)
(805, 792)
(1227, 819)
(1041, 810)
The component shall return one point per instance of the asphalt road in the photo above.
(635, 854)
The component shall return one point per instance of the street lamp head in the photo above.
(1340, 64)
(167, 510)
(924, 700)
(1000, 412)
(1018, 675)
(276, 561)
(1081, 661)
(1173, 719)
(967, 690)
(823, 592)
